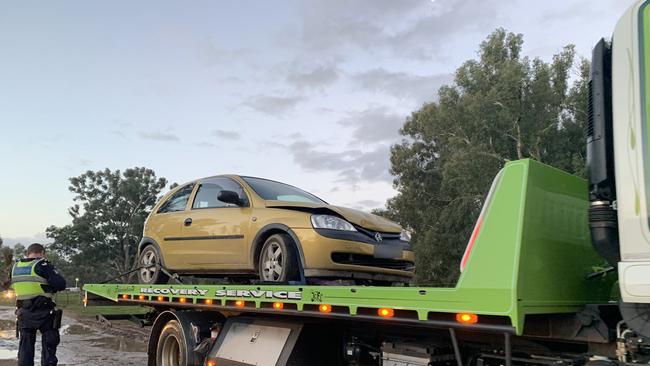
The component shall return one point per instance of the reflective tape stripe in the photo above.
(29, 297)
(29, 279)
(25, 268)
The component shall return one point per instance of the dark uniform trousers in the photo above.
(32, 319)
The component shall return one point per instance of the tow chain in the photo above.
(173, 276)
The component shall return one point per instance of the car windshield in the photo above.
(271, 190)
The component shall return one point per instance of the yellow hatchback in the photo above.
(225, 226)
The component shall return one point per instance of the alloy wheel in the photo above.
(149, 266)
(273, 262)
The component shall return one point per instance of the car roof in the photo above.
(242, 177)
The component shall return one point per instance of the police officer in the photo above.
(35, 281)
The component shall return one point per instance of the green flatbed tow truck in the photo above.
(534, 286)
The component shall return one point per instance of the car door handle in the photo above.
(188, 221)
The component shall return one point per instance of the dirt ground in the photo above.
(83, 342)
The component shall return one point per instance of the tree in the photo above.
(107, 222)
(500, 107)
(19, 251)
(6, 263)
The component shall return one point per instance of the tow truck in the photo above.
(556, 271)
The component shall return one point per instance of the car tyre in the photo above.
(172, 350)
(278, 260)
(150, 264)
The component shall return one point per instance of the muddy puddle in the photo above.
(82, 343)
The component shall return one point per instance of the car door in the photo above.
(216, 232)
(166, 225)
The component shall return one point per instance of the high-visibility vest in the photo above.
(26, 283)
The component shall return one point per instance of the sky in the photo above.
(307, 92)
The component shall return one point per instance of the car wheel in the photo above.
(150, 265)
(171, 350)
(278, 260)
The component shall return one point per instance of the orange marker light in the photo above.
(240, 303)
(278, 305)
(125, 297)
(182, 299)
(160, 298)
(141, 297)
(324, 308)
(386, 312)
(467, 318)
(210, 363)
(208, 301)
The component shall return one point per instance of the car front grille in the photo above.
(370, 261)
(371, 234)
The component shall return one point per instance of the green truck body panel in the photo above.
(531, 256)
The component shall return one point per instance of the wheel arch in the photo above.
(146, 241)
(265, 233)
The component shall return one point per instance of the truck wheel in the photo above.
(278, 260)
(150, 262)
(171, 346)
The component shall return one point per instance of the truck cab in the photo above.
(618, 153)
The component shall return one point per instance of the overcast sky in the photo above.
(307, 92)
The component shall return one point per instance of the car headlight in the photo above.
(405, 235)
(331, 222)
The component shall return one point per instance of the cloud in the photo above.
(365, 205)
(370, 166)
(570, 11)
(329, 25)
(265, 145)
(446, 19)
(353, 166)
(402, 85)
(221, 135)
(370, 203)
(374, 129)
(158, 136)
(273, 105)
(227, 135)
(373, 125)
(405, 28)
(317, 77)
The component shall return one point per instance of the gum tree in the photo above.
(500, 107)
(107, 222)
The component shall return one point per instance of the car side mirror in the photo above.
(230, 197)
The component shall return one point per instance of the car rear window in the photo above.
(178, 201)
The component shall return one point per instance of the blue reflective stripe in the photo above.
(22, 271)
(25, 269)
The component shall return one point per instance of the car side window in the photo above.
(178, 201)
(206, 197)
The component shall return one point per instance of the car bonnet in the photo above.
(356, 217)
